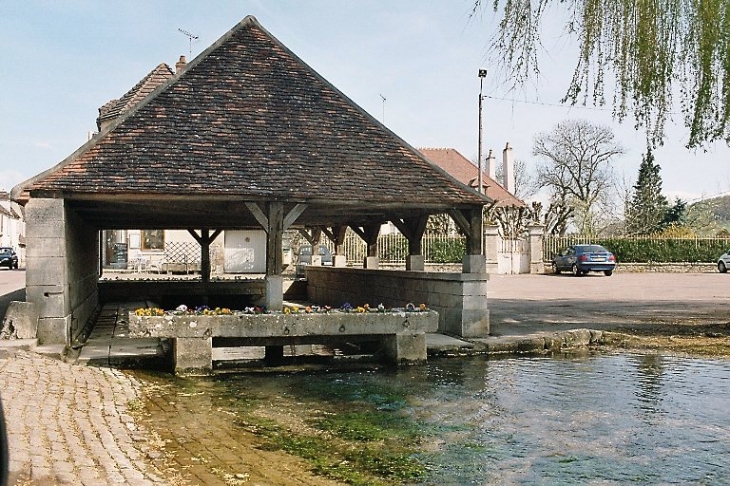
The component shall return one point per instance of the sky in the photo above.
(412, 64)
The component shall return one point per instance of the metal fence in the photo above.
(393, 248)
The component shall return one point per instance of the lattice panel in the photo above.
(182, 252)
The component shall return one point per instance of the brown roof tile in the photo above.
(247, 118)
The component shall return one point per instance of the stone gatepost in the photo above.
(491, 248)
(535, 235)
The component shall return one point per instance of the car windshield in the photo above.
(6, 250)
(590, 249)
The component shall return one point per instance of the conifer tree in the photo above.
(647, 209)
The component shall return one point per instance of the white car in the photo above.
(723, 263)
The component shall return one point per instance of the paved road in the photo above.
(520, 304)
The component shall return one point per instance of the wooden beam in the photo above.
(311, 235)
(258, 214)
(460, 220)
(413, 229)
(292, 216)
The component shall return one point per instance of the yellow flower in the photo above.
(287, 310)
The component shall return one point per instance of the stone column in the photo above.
(536, 256)
(193, 356)
(405, 348)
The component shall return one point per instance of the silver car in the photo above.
(723, 263)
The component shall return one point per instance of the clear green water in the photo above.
(600, 419)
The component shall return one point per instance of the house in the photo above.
(247, 136)
(507, 251)
(12, 226)
(466, 172)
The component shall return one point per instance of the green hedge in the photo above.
(446, 251)
(650, 250)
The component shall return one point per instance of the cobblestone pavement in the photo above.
(69, 425)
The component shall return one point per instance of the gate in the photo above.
(513, 256)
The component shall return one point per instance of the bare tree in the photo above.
(575, 167)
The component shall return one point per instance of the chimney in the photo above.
(508, 169)
(179, 65)
(491, 166)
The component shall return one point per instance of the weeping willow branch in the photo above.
(652, 50)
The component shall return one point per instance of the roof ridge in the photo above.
(113, 108)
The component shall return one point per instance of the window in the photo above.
(153, 239)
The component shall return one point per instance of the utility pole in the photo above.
(482, 75)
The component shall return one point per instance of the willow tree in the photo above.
(648, 50)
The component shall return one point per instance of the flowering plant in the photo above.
(149, 311)
(204, 310)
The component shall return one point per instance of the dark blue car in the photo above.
(581, 259)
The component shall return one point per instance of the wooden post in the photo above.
(413, 229)
(204, 240)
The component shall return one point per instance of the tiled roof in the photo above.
(466, 172)
(112, 109)
(248, 119)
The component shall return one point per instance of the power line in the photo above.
(541, 103)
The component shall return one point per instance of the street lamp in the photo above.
(482, 75)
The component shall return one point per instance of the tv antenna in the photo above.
(190, 38)
(383, 97)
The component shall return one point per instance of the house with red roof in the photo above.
(466, 172)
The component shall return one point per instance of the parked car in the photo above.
(305, 258)
(723, 263)
(8, 258)
(581, 259)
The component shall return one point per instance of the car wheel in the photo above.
(556, 270)
(576, 271)
(608, 273)
(721, 267)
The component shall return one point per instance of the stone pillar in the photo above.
(536, 257)
(371, 262)
(405, 348)
(474, 264)
(491, 247)
(415, 263)
(274, 299)
(46, 276)
(193, 356)
(339, 261)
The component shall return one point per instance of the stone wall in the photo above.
(459, 298)
(61, 269)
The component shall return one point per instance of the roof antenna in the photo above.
(383, 108)
(190, 37)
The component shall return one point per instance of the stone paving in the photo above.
(69, 424)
